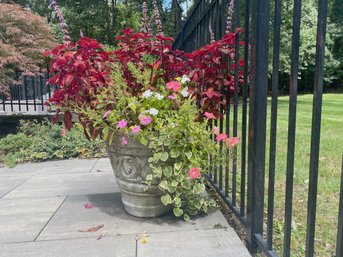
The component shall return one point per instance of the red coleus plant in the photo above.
(80, 70)
(211, 68)
(83, 67)
(137, 47)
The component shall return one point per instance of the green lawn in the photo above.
(331, 150)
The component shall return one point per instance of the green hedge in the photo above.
(40, 141)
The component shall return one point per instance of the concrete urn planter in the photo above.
(130, 165)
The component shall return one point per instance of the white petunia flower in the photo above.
(153, 111)
(184, 92)
(185, 79)
(159, 96)
(147, 94)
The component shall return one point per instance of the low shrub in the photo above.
(39, 141)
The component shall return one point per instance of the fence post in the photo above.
(257, 120)
(339, 242)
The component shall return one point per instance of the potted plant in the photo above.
(144, 100)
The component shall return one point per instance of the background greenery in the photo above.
(330, 163)
(104, 19)
(37, 141)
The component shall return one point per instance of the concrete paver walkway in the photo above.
(43, 213)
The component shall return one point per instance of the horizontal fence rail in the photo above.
(28, 97)
(247, 181)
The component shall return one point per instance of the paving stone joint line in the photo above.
(97, 160)
(15, 187)
(50, 218)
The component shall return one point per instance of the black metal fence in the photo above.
(249, 188)
(27, 97)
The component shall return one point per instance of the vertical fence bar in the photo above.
(215, 168)
(257, 120)
(19, 90)
(19, 96)
(4, 102)
(245, 104)
(339, 242)
(221, 130)
(293, 88)
(34, 93)
(227, 130)
(222, 17)
(26, 97)
(273, 123)
(235, 104)
(211, 161)
(217, 32)
(11, 97)
(48, 86)
(316, 122)
(41, 91)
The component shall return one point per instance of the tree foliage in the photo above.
(105, 19)
(307, 51)
(336, 17)
(24, 36)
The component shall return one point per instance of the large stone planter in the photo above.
(130, 165)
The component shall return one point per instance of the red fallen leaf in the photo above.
(88, 206)
(93, 229)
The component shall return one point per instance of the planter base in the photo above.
(130, 165)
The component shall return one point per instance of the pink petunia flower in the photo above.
(231, 141)
(145, 120)
(135, 130)
(221, 137)
(173, 85)
(106, 114)
(194, 173)
(124, 141)
(215, 130)
(63, 132)
(122, 124)
(171, 96)
(210, 115)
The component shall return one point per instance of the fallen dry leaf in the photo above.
(88, 205)
(93, 229)
(219, 226)
(144, 238)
